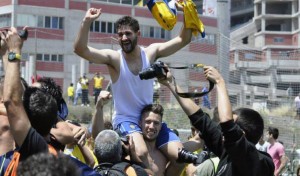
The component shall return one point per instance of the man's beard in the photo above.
(127, 48)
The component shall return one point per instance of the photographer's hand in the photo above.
(224, 106)
(168, 79)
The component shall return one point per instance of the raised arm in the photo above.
(200, 120)
(13, 91)
(81, 47)
(97, 120)
(224, 106)
(158, 50)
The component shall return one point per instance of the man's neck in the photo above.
(272, 141)
(151, 145)
(133, 54)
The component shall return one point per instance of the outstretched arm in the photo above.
(97, 120)
(12, 93)
(200, 120)
(81, 47)
(158, 50)
(224, 106)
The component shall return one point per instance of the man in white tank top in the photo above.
(130, 93)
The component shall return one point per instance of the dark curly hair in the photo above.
(128, 21)
(41, 109)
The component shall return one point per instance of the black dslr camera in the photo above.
(156, 70)
(185, 156)
(23, 34)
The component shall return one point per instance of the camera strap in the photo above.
(190, 94)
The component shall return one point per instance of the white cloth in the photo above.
(263, 147)
(78, 88)
(130, 93)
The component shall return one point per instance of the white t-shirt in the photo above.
(263, 147)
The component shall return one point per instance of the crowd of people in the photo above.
(36, 133)
(82, 89)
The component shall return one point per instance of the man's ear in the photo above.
(139, 33)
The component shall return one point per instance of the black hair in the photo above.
(47, 164)
(49, 85)
(128, 21)
(41, 109)
(251, 122)
(156, 108)
(274, 132)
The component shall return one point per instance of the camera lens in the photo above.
(23, 34)
(185, 156)
(149, 73)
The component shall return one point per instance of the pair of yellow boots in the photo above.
(165, 14)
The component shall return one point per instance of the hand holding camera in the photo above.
(156, 70)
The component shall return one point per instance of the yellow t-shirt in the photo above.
(70, 91)
(98, 82)
(76, 153)
(84, 83)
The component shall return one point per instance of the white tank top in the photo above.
(130, 93)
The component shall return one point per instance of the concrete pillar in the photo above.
(23, 72)
(82, 67)
(74, 74)
(27, 77)
(32, 66)
(223, 8)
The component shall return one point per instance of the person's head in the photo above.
(71, 84)
(251, 122)
(41, 109)
(47, 164)
(108, 125)
(151, 121)
(272, 133)
(49, 86)
(108, 146)
(84, 75)
(128, 30)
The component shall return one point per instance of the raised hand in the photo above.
(103, 98)
(212, 74)
(92, 14)
(13, 40)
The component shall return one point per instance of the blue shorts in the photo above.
(165, 135)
